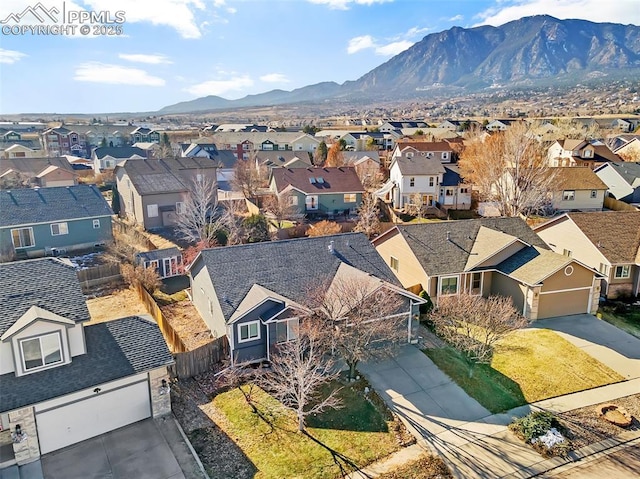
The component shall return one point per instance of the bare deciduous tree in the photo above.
(511, 169)
(368, 216)
(247, 177)
(335, 155)
(299, 369)
(231, 215)
(138, 274)
(473, 324)
(197, 222)
(364, 318)
(280, 208)
(324, 228)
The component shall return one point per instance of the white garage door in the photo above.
(66, 425)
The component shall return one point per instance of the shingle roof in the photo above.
(115, 349)
(615, 233)
(45, 205)
(39, 283)
(451, 176)
(419, 165)
(119, 152)
(576, 178)
(532, 265)
(158, 254)
(281, 158)
(630, 172)
(425, 145)
(163, 176)
(444, 247)
(289, 268)
(342, 179)
(34, 166)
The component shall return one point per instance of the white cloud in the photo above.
(10, 56)
(456, 18)
(344, 4)
(97, 72)
(620, 11)
(360, 43)
(393, 48)
(220, 87)
(154, 59)
(274, 78)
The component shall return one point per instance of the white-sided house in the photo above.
(254, 294)
(622, 180)
(577, 189)
(108, 157)
(64, 382)
(166, 261)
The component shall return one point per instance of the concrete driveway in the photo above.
(149, 449)
(601, 340)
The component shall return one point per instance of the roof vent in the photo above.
(330, 247)
(448, 235)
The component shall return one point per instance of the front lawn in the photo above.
(527, 366)
(357, 433)
(425, 467)
(627, 319)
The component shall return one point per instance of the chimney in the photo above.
(330, 247)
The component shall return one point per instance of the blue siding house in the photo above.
(51, 221)
(255, 294)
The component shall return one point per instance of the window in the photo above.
(622, 271)
(153, 264)
(567, 252)
(431, 181)
(588, 153)
(350, 198)
(476, 280)
(286, 330)
(449, 192)
(594, 194)
(311, 202)
(152, 211)
(198, 177)
(41, 351)
(568, 195)
(180, 208)
(464, 190)
(22, 238)
(96, 224)
(293, 200)
(249, 331)
(395, 264)
(412, 181)
(58, 229)
(449, 285)
(445, 155)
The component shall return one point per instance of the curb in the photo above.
(573, 457)
(191, 449)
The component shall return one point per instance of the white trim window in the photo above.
(349, 197)
(248, 331)
(152, 211)
(180, 208)
(96, 224)
(622, 271)
(594, 194)
(22, 238)
(476, 282)
(448, 285)
(286, 330)
(42, 351)
(59, 229)
(568, 195)
(395, 263)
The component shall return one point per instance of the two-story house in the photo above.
(490, 256)
(413, 179)
(63, 141)
(153, 192)
(255, 294)
(145, 135)
(608, 241)
(571, 152)
(329, 191)
(622, 180)
(63, 381)
(108, 157)
(439, 150)
(50, 221)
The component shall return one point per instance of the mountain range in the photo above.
(525, 53)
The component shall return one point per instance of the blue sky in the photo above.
(177, 50)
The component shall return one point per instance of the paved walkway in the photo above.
(475, 443)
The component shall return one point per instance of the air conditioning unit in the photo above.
(58, 251)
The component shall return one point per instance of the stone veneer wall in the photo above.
(160, 403)
(28, 450)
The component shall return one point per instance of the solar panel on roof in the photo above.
(320, 179)
(312, 180)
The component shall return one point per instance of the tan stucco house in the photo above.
(577, 189)
(63, 381)
(490, 256)
(608, 241)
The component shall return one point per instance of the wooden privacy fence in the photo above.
(617, 205)
(97, 275)
(170, 336)
(205, 358)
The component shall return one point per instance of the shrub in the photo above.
(324, 228)
(147, 277)
(428, 306)
(537, 424)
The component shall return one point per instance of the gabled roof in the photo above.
(115, 349)
(33, 167)
(28, 206)
(425, 146)
(616, 234)
(577, 178)
(451, 176)
(628, 171)
(342, 179)
(39, 282)
(419, 165)
(119, 152)
(533, 264)
(571, 144)
(165, 175)
(445, 247)
(157, 254)
(283, 158)
(289, 268)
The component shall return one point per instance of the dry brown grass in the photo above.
(186, 321)
(116, 304)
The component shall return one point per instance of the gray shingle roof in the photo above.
(419, 165)
(439, 255)
(629, 171)
(342, 179)
(115, 349)
(119, 152)
(34, 166)
(39, 283)
(163, 176)
(158, 254)
(289, 268)
(46, 205)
